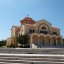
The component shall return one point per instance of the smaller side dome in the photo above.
(27, 20)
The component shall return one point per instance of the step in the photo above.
(34, 62)
(24, 60)
(32, 56)
(49, 58)
(12, 63)
(32, 51)
(33, 59)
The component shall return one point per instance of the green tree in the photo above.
(23, 40)
(2, 43)
(11, 46)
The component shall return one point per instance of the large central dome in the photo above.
(27, 20)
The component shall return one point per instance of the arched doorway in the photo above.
(42, 40)
(54, 43)
(59, 40)
(35, 39)
(48, 40)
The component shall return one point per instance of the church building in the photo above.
(41, 32)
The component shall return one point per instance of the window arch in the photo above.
(43, 28)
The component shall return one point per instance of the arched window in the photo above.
(31, 30)
(44, 28)
(55, 33)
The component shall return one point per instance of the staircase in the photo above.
(31, 56)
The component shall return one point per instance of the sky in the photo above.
(12, 11)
